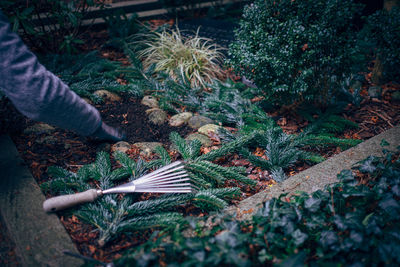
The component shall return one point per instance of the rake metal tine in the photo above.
(181, 178)
(174, 164)
(166, 177)
(151, 176)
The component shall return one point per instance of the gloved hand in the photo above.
(108, 133)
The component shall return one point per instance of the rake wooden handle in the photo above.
(62, 202)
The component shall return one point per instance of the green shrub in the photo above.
(382, 33)
(296, 50)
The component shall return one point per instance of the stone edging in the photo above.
(40, 238)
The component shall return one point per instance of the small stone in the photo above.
(197, 121)
(39, 128)
(147, 148)
(375, 91)
(205, 141)
(180, 119)
(157, 116)
(107, 95)
(150, 101)
(206, 129)
(121, 146)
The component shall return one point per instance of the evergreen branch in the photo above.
(164, 156)
(199, 180)
(222, 192)
(226, 172)
(180, 144)
(228, 148)
(152, 221)
(207, 201)
(210, 173)
(157, 205)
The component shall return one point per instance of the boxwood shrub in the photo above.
(296, 50)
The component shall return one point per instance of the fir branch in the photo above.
(226, 172)
(223, 192)
(198, 179)
(211, 174)
(207, 201)
(162, 220)
(157, 205)
(228, 148)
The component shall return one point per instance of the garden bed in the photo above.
(70, 151)
(56, 147)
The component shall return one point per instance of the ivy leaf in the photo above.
(396, 190)
(299, 237)
(368, 165)
(328, 238)
(390, 205)
(345, 176)
(312, 204)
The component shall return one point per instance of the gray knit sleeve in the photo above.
(36, 92)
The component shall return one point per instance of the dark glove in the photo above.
(108, 133)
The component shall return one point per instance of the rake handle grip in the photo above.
(66, 201)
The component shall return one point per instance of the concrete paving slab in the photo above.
(40, 238)
(320, 175)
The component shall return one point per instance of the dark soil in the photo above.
(130, 116)
(71, 151)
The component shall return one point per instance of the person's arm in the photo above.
(42, 96)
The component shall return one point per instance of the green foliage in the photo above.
(381, 33)
(85, 74)
(325, 125)
(120, 26)
(281, 151)
(225, 102)
(195, 58)
(203, 172)
(296, 50)
(52, 25)
(112, 215)
(347, 223)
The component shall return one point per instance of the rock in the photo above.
(396, 96)
(206, 129)
(180, 119)
(197, 121)
(156, 115)
(150, 101)
(107, 95)
(205, 141)
(39, 128)
(46, 140)
(147, 148)
(121, 146)
(375, 92)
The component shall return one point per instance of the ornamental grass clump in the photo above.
(196, 58)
